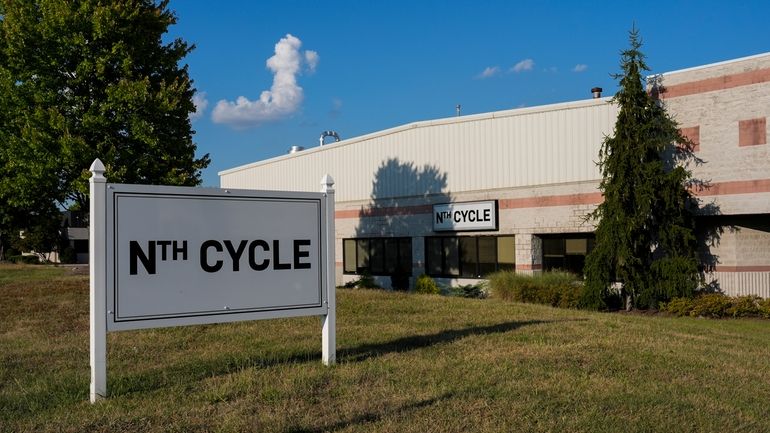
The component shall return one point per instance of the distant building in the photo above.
(75, 231)
(536, 168)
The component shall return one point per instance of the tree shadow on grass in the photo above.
(406, 344)
(370, 417)
(193, 370)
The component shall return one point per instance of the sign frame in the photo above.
(103, 271)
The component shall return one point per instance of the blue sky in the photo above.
(361, 66)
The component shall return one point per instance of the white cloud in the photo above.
(311, 58)
(579, 67)
(489, 71)
(524, 65)
(283, 98)
(200, 101)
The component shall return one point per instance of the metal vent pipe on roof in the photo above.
(597, 91)
(295, 149)
(328, 134)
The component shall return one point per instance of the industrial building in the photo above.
(459, 197)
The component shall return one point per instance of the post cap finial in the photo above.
(97, 170)
(327, 180)
(97, 166)
(327, 184)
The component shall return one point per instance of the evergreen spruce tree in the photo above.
(85, 79)
(645, 237)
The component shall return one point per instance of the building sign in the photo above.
(468, 216)
(193, 255)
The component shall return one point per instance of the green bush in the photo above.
(716, 305)
(29, 260)
(365, 281)
(558, 289)
(710, 305)
(764, 308)
(678, 306)
(68, 255)
(474, 291)
(744, 306)
(426, 285)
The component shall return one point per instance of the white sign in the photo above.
(469, 216)
(202, 255)
(169, 256)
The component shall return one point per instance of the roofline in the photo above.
(425, 123)
(711, 65)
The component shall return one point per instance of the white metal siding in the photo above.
(742, 283)
(546, 145)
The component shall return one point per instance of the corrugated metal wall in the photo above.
(536, 146)
(742, 283)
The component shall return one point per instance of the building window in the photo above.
(469, 256)
(377, 256)
(566, 252)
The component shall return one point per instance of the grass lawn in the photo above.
(407, 363)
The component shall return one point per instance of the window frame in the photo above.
(564, 256)
(382, 241)
(459, 240)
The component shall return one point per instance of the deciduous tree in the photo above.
(85, 79)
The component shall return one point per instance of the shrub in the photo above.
(716, 305)
(764, 308)
(710, 305)
(744, 306)
(474, 291)
(558, 289)
(426, 285)
(570, 295)
(365, 281)
(68, 255)
(29, 260)
(678, 306)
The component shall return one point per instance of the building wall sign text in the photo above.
(469, 216)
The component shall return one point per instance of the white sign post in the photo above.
(97, 287)
(329, 320)
(170, 256)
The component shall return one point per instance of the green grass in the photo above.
(407, 363)
(19, 273)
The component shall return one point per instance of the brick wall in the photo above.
(726, 106)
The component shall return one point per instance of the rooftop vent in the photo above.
(597, 91)
(295, 149)
(328, 134)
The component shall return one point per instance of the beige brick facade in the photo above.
(728, 104)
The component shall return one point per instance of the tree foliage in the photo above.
(86, 79)
(645, 237)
